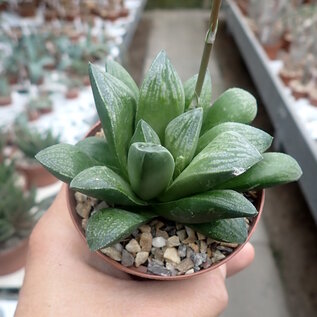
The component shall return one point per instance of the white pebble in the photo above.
(159, 242)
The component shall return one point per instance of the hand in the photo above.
(63, 279)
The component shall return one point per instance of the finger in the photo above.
(242, 260)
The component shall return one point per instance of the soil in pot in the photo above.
(13, 256)
(161, 249)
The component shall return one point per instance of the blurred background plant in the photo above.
(30, 141)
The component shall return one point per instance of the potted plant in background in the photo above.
(72, 87)
(16, 220)
(5, 93)
(167, 186)
(41, 104)
(29, 142)
(19, 212)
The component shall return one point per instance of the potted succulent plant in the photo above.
(72, 87)
(41, 104)
(27, 8)
(168, 186)
(5, 92)
(29, 142)
(16, 220)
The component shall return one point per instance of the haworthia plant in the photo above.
(235, 104)
(162, 158)
(161, 95)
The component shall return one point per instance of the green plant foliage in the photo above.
(103, 183)
(258, 138)
(227, 230)
(108, 226)
(161, 95)
(144, 133)
(235, 105)
(65, 161)
(162, 158)
(31, 141)
(116, 70)
(16, 218)
(226, 157)
(205, 96)
(274, 169)
(150, 168)
(205, 207)
(116, 109)
(4, 88)
(181, 137)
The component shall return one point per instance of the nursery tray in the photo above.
(290, 131)
(127, 38)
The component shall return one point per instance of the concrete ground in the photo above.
(258, 291)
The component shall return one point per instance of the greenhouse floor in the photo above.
(284, 240)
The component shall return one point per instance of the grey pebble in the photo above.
(127, 258)
(182, 250)
(198, 258)
(135, 233)
(224, 250)
(157, 269)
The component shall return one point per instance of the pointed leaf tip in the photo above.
(161, 95)
(108, 226)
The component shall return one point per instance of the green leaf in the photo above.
(224, 230)
(116, 70)
(234, 105)
(181, 137)
(116, 109)
(274, 169)
(103, 183)
(144, 133)
(212, 205)
(258, 138)
(98, 149)
(150, 168)
(6, 230)
(108, 226)
(64, 161)
(227, 156)
(205, 95)
(161, 95)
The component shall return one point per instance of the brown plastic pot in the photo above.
(13, 259)
(36, 175)
(5, 101)
(27, 9)
(72, 93)
(313, 98)
(272, 50)
(141, 271)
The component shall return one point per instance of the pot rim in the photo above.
(76, 219)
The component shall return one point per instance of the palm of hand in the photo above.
(63, 278)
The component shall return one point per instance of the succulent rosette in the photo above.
(162, 157)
